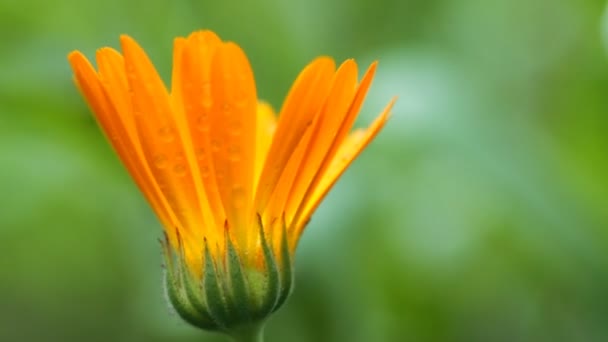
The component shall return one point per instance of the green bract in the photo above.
(229, 296)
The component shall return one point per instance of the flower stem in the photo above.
(251, 333)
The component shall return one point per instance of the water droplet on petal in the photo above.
(166, 134)
(202, 122)
(241, 99)
(227, 108)
(235, 127)
(207, 101)
(204, 171)
(200, 153)
(160, 161)
(234, 153)
(215, 145)
(180, 169)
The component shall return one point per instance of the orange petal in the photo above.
(347, 152)
(342, 132)
(113, 78)
(104, 106)
(197, 100)
(161, 142)
(266, 126)
(302, 104)
(331, 117)
(233, 134)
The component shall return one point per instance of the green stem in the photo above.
(251, 333)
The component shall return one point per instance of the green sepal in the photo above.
(233, 292)
(272, 278)
(176, 286)
(216, 302)
(192, 288)
(286, 270)
(241, 300)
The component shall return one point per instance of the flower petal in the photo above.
(327, 125)
(266, 126)
(233, 135)
(113, 79)
(352, 146)
(162, 142)
(304, 100)
(196, 98)
(107, 116)
(341, 133)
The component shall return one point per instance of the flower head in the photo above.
(232, 184)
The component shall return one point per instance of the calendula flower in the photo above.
(232, 184)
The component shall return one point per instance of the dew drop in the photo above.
(202, 122)
(200, 153)
(160, 161)
(179, 169)
(204, 171)
(234, 153)
(241, 99)
(235, 127)
(207, 101)
(171, 199)
(227, 108)
(166, 134)
(215, 145)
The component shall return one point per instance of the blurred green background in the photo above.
(479, 214)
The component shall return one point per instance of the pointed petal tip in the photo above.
(371, 70)
(324, 61)
(350, 64)
(387, 112)
(125, 37)
(79, 62)
(127, 43)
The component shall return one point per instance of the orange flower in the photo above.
(219, 168)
